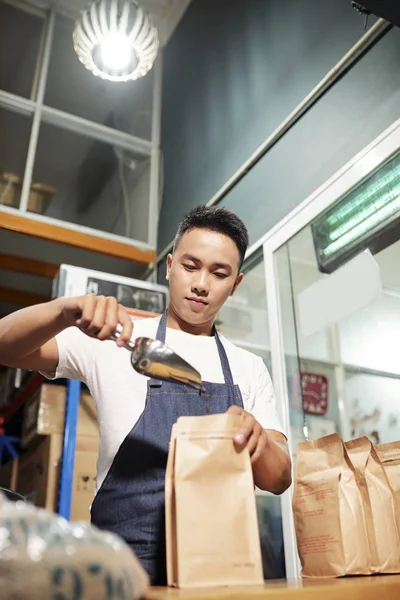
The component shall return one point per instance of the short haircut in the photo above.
(219, 220)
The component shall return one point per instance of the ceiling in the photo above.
(166, 14)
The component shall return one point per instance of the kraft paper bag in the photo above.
(389, 455)
(211, 519)
(379, 510)
(328, 511)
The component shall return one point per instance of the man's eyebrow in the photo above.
(223, 266)
(218, 265)
(190, 257)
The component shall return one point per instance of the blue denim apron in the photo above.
(130, 501)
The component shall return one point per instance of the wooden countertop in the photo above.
(348, 588)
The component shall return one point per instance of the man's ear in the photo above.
(169, 263)
(238, 281)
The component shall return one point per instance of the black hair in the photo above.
(219, 220)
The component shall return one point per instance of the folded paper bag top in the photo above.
(378, 502)
(328, 511)
(211, 519)
(389, 455)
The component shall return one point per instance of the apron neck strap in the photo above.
(226, 370)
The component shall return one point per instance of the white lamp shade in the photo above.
(116, 40)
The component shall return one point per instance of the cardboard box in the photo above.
(8, 475)
(38, 472)
(84, 485)
(87, 417)
(87, 443)
(39, 469)
(44, 414)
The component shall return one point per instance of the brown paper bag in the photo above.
(378, 504)
(211, 520)
(389, 455)
(328, 513)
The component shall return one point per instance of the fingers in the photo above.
(260, 447)
(250, 434)
(127, 326)
(235, 410)
(243, 434)
(108, 311)
(99, 317)
(254, 438)
(87, 311)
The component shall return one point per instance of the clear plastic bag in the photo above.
(43, 556)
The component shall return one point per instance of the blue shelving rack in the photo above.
(70, 430)
(69, 447)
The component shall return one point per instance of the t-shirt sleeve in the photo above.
(264, 408)
(75, 355)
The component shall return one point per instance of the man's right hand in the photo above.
(27, 336)
(97, 316)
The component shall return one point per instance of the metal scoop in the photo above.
(154, 359)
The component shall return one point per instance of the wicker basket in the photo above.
(10, 193)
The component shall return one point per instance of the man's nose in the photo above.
(200, 283)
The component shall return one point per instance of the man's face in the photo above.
(203, 273)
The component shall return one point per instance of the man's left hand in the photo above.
(250, 434)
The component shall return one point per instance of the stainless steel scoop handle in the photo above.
(116, 335)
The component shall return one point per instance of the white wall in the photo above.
(371, 338)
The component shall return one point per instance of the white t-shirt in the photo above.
(120, 392)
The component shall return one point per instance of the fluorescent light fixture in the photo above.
(116, 40)
(367, 217)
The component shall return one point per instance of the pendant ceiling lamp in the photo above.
(116, 40)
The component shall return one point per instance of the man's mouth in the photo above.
(197, 301)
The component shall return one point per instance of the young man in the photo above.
(67, 337)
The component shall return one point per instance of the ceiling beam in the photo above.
(21, 298)
(10, 262)
(77, 239)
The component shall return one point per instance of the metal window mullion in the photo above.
(340, 380)
(39, 62)
(280, 386)
(16, 103)
(30, 159)
(155, 154)
(94, 130)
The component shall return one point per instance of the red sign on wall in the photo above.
(315, 393)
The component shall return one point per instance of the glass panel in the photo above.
(20, 34)
(349, 370)
(14, 140)
(380, 421)
(244, 320)
(84, 181)
(244, 317)
(291, 348)
(74, 89)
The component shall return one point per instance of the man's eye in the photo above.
(189, 267)
(221, 275)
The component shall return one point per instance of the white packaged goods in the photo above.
(44, 556)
